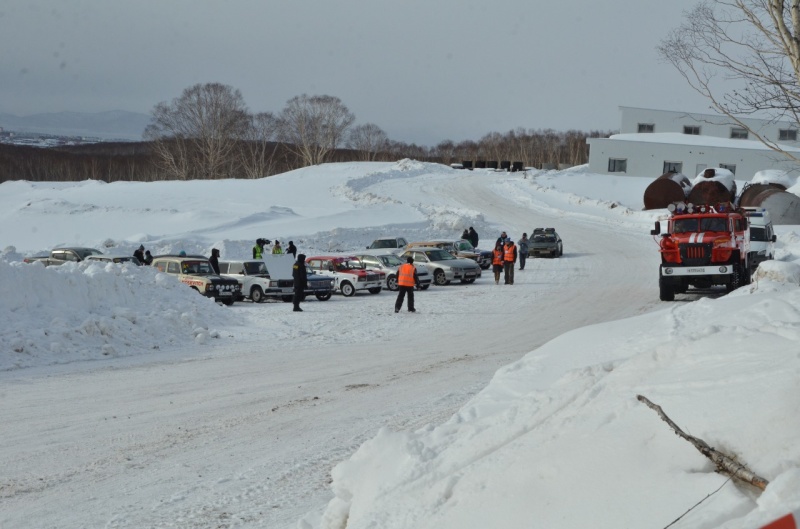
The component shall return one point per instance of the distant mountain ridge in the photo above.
(109, 125)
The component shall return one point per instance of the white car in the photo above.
(388, 263)
(762, 236)
(257, 284)
(444, 267)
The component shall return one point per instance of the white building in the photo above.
(653, 142)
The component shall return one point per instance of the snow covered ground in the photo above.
(129, 401)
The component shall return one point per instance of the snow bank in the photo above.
(89, 312)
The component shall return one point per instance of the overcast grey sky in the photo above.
(422, 70)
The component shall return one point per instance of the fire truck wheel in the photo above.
(666, 292)
(736, 279)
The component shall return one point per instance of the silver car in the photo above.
(388, 262)
(444, 267)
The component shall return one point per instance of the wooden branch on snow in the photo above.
(724, 463)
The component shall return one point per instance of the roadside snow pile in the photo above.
(77, 312)
(778, 271)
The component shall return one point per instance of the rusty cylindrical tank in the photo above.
(783, 207)
(711, 192)
(666, 189)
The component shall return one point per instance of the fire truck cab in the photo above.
(703, 246)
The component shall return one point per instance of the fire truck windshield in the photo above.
(684, 226)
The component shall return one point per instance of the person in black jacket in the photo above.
(214, 260)
(473, 236)
(139, 253)
(300, 281)
(292, 249)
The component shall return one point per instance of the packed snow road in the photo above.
(244, 433)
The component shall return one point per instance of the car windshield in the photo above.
(390, 260)
(713, 224)
(438, 255)
(465, 246)
(384, 243)
(349, 265)
(255, 268)
(83, 253)
(684, 226)
(758, 234)
(196, 267)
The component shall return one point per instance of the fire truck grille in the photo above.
(695, 254)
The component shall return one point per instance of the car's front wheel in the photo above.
(256, 294)
(324, 297)
(391, 283)
(470, 280)
(424, 287)
(439, 278)
(286, 299)
(347, 289)
(375, 290)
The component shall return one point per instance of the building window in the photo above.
(617, 165)
(787, 135)
(647, 127)
(691, 129)
(673, 167)
(738, 133)
(729, 166)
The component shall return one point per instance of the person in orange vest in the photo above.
(509, 258)
(497, 261)
(406, 281)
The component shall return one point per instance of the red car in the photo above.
(348, 273)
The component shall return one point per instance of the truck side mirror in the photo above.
(774, 238)
(657, 229)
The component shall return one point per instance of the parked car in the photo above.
(460, 248)
(318, 285)
(393, 243)
(388, 262)
(255, 279)
(348, 273)
(59, 256)
(444, 267)
(107, 258)
(545, 242)
(196, 271)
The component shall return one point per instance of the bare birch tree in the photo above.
(368, 140)
(313, 126)
(196, 135)
(744, 57)
(260, 146)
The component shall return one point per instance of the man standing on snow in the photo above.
(139, 253)
(300, 277)
(214, 260)
(473, 236)
(523, 247)
(509, 258)
(406, 281)
(258, 249)
(292, 249)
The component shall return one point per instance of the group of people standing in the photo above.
(470, 235)
(277, 249)
(505, 254)
(143, 256)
